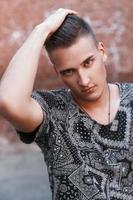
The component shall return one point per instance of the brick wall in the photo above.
(111, 20)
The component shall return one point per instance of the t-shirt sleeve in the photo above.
(39, 132)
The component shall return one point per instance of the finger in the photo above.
(67, 11)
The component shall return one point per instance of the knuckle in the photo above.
(61, 9)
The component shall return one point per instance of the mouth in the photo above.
(88, 90)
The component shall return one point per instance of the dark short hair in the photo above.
(71, 29)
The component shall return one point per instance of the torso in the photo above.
(85, 159)
(100, 114)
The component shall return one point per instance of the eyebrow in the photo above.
(87, 59)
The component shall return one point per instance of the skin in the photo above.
(25, 113)
(82, 68)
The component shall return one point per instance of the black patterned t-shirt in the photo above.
(86, 160)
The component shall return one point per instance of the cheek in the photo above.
(70, 82)
(101, 70)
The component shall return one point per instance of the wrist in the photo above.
(43, 28)
(42, 31)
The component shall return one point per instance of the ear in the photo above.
(102, 50)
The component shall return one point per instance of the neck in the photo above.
(99, 109)
(98, 103)
(104, 109)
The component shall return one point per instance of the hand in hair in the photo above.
(54, 21)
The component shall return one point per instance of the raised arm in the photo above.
(16, 85)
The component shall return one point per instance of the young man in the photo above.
(85, 130)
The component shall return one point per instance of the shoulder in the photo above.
(52, 97)
(125, 88)
(126, 92)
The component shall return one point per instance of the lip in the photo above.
(88, 90)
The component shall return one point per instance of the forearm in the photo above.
(16, 85)
(18, 80)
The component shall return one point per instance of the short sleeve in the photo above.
(39, 132)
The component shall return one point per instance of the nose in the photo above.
(83, 78)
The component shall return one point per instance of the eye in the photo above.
(67, 72)
(89, 62)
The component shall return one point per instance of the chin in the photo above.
(92, 97)
(87, 97)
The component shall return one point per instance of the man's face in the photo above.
(82, 69)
